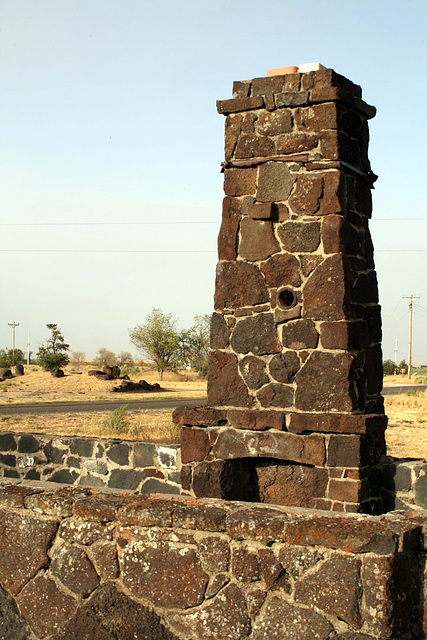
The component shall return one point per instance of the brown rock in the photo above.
(164, 573)
(325, 293)
(324, 383)
(213, 479)
(199, 416)
(344, 335)
(365, 288)
(296, 561)
(111, 614)
(262, 211)
(260, 523)
(256, 420)
(345, 490)
(334, 198)
(295, 142)
(334, 587)
(214, 553)
(195, 444)
(44, 606)
(57, 373)
(240, 182)
(233, 124)
(253, 372)
(284, 366)
(6, 374)
(336, 423)
(281, 619)
(257, 240)
(299, 334)
(274, 182)
(282, 270)
(239, 284)
(233, 444)
(309, 263)
(23, 536)
(256, 334)
(268, 85)
(239, 104)
(219, 332)
(225, 386)
(228, 233)
(74, 570)
(290, 484)
(272, 571)
(271, 124)
(307, 194)
(104, 556)
(276, 395)
(250, 145)
(300, 236)
(317, 117)
(224, 617)
(245, 565)
(198, 516)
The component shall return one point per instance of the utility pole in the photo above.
(13, 325)
(28, 348)
(411, 298)
(395, 356)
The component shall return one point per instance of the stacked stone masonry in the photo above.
(92, 462)
(295, 414)
(77, 564)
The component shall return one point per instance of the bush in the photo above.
(10, 357)
(117, 422)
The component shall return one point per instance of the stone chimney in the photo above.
(294, 414)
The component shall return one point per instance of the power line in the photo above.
(73, 224)
(104, 251)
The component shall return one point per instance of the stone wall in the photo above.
(92, 462)
(79, 564)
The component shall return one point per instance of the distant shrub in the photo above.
(117, 422)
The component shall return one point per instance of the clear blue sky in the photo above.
(107, 115)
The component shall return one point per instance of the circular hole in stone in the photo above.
(287, 298)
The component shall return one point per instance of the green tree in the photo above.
(105, 357)
(389, 368)
(10, 357)
(159, 340)
(194, 345)
(53, 353)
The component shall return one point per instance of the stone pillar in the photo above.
(294, 415)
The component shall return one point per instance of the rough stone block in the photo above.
(7, 442)
(165, 575)
(257, 240)
(299, 334)
(239, 104)
(249, 145)
(317, 117)
(281, 619)
(45, 607)
(274, 182)
(325, 293)
(254, 372)
(28, 444)
(288, 143)
(272, 124)
(195, 445)
(257, 334)
(345, 490)
(228, 233)
(290, 484)
(333, 587)
(74, 570)
(240, 182)
(233, 444)
(239, 284)
(276, 395)
(225, 385)
(199, 416)
(300, 237)
(333, 390)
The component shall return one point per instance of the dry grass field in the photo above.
(406, 435)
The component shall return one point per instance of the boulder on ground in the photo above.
(94, 372)
(19, 370)
(6, 374)
(57, 373)
(114, 371)
(142, 385)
